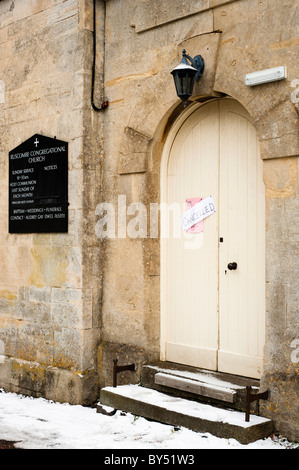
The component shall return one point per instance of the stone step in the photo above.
(196, 387)
(207, 386)
(176, 411)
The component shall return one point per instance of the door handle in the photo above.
(232, 266)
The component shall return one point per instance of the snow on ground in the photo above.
(36, 423)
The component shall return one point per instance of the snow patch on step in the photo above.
(200, 377)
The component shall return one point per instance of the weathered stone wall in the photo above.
(71, 303)
(144, 40)
(282, 346)
(50, 283)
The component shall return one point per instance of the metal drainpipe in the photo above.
(105, 103)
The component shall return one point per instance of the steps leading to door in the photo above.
(176, 411)
(197, 399)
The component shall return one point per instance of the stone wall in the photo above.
(282, 346)
(50, 283)
(144, 41)
(71, 303)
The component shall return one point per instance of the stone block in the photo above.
(43, 313)
(60, 294)
(67, 348)
(56, 266)
(11, 257)
(38, 380)
(66, 314)
(133, 152)
(280, 177)
(34, 342)
(74, 349)
(149, 15)
(279, 134)
(39, 294)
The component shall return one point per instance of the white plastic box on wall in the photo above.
(266, 76)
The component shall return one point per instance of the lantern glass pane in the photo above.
(183, 83)
(190, 84)
(177, 84)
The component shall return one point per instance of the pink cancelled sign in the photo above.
(198, 227)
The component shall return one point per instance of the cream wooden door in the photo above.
(242, 227)
(213, 316)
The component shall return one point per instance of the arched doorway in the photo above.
(213, 316)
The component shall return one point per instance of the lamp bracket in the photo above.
(197, 62)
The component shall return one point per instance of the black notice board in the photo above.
(38, 186)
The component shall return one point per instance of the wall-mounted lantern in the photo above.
(184, 75)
